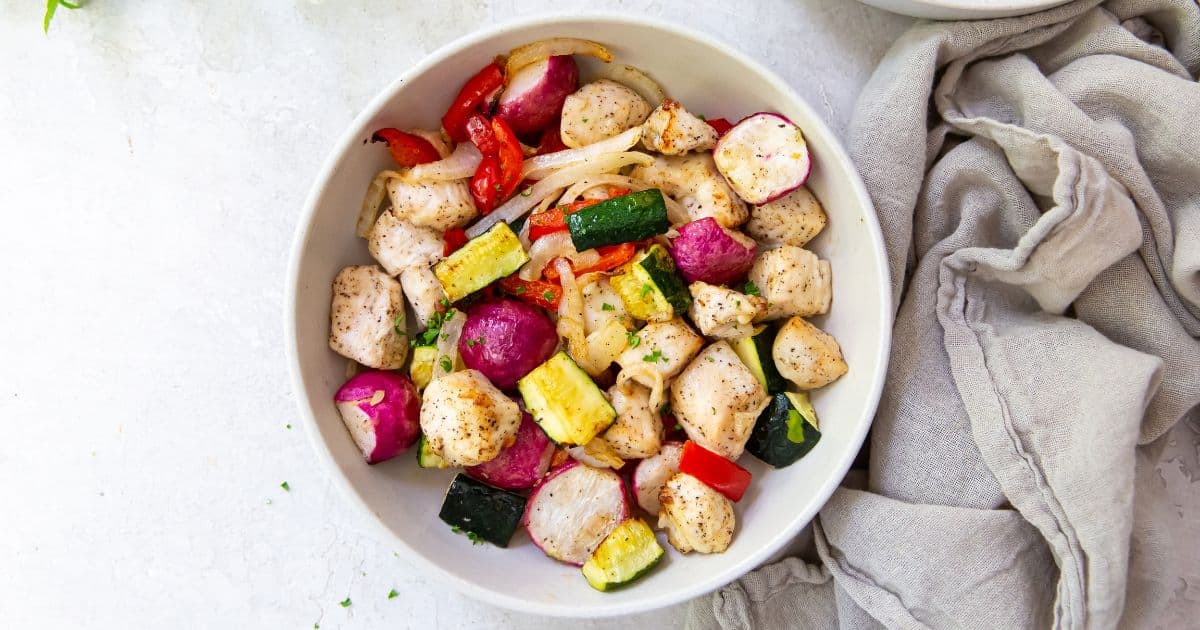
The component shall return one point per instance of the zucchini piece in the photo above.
(785, 431)
(755, 352)
(624, 219)
(490, 256)
(650, 287)
(421, 368)
(426, 458)
(626, 554)
(483, 512)
(565, 401)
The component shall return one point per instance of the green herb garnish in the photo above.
(646, 290)
(607, 307)
(345, 603)
(751, 289)
(633, 340)
(549, 295)
(446, 365)
(398, 326)
(392, 594)
(51, 7)
(655, 357)
(519, 289)
(285, 486)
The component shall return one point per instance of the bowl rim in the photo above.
(351, 136)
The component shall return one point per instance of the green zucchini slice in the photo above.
(483, 260)
(755, 352)
(651, 288)
(483, 512)
(626, 554)
(426, 458)
(624, 219)
(785, 431)
(565, 401)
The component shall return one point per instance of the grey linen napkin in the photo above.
(1038, 183)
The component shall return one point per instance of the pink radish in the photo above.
(652, 472)
(534, 96)
(763, 157)
(573, 509)
(520, 465)
(706, 251)
(382, 412)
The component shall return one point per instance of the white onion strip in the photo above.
(540, 166)
(635, 79)
(447, 343)
(372, 202)
(459, 165)
(570, 317)
(533, 52)
(545, 249)
(522, 203)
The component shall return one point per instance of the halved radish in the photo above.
(651, 473)
(521, 464)
(763, 157)
(534, 96)
(572, 510)
(381, 410)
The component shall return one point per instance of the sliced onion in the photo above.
(543, 251)
(540, 166)
(582, 186)
(570, 317)
(522, 203)
(447, 343)
(533, 52)
(635, 79)
(607, 343)
(372, 202)
(597, 453)
(439, 142)
(459, 165)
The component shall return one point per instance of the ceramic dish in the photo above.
(964, 9)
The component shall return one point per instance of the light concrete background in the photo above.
(154, 157)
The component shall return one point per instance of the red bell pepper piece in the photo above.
(611, 257)
(551, 140)
(407, 149)
(453, 240)
(715, 471)
(479, 130)
(537, 292)
(720, 125)
(510, 156)
(485, 184)
(471, 97)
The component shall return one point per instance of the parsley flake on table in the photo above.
(345, 603)
(285, 486)
(51, 7)
(392, 594)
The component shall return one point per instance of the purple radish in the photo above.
(506, 339)
(708, 252)
(534, 96)
(382, 412)
(521, 464)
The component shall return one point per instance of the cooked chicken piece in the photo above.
(398, 244)
(466, 420)
(693, 181)
(601, 109)
(423, 290)
(724, 313)
(793, 281)
(696, 517)
(657, 353)
(793, 219)
(673, 130)
(601, 304)
(437, 205)
(637, 431)
(367, 303)
(807, 355)
(717, 399)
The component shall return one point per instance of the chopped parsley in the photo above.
(710, 359)
(474, 538)
(392, 594)
(345, 603)
(607, 307)
(430, 335)
(446, 365)
(288, 425)
(471, 343)
(285, 486)
(646, 290)
(701, 117)
(583, 120)
(398, 325)
(549, 295)
(519, 289)
(51, 7)
(497, 186)
(633, 339)
(751, 289)
(655, 357)
(456, 529)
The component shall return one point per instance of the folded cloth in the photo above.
(1038, 184)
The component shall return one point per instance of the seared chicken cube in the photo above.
(599, 110)
(437, 205)
(367, 307)
(637, 431)
(724, 313)
(398, 244)
(693, 181)
(662, 347)
(424, 292)
(601, 304)
(794, 219)
(807, 355)
(696, 517)
(793, 281)
(717, 400)
(466, 420)
(673, 130)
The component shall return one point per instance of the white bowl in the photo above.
(711, 78)
(964, 9)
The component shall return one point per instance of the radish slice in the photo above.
(381, 411)
(522, 56)
(520, 465)
(651, 473)
(763, 157)
(573, 509)
(535, 94)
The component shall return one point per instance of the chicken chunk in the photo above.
(599, 110)
(424, 292)
(794, 219)
(673, 130)
(693, 181)
(637, 431)
(437, 205)
(696, 517)
(398, 244)
(793, 281)
(717, 399)
(367, 303)
(724, 313)
(466, 420)
(601, 304)
(657, 353)
(807, 355)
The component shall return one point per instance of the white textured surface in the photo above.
(155, 158)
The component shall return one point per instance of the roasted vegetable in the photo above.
(707, 252)
(715, 471)
(633, 217)
(521, 464)
(382, 412)
(763, 157)
(573, 509)
(483, 512)
(565, 402)
(786, 431)
(626, 554)
(534, 97)
(505, 340)
(650, 288)
(495, 254)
